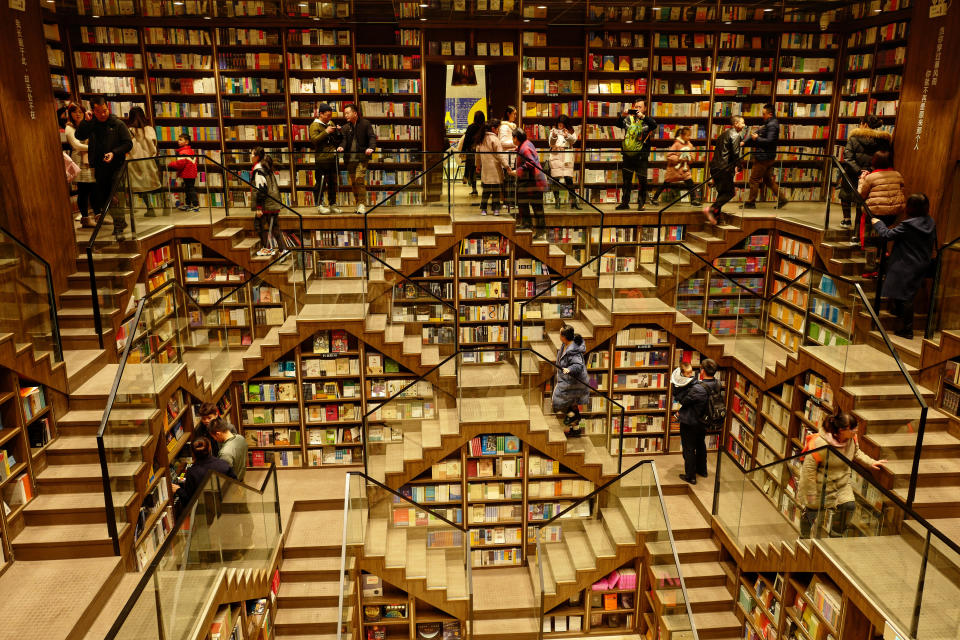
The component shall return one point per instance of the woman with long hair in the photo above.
(468, 147)
(266, 202)
(85, 179)
(143, 174)
(507, 126)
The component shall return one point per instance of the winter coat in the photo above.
(766, 143)
(726, 152)
(530, 176)
(109, 136)
(649, 125)
(185, 165)
(819, 467)
(571, 388)
(78, 154)
(491, 164)
(325, 144)
(914, 240)
(883, 191)
(267, 191)
(469, 137)
(693, 402)
(862, 143)
(144, 175)
(561, 164)
(366, 139)
(197, 473)
(678, 162)
(506, 136)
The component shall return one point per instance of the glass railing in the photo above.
(30, 314)
(591, 533)
(225, 525)
(820, 499)
(945, 292)
(412, 542)
(166, 331)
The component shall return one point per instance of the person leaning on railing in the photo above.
(822, 475)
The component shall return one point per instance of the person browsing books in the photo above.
(204, 463)
(694, 399)
(207, 413)
(233, 448)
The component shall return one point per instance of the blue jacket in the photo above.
(693, 402)
(572, 388)
(914, 240)
(768, 136)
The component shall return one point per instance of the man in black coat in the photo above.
(635, 162)
(359, 141)
(693, 400)
(724, 166)
(109, 141)
(764, 140)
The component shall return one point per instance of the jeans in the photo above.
(762, 172)
(723, 181)
(106, 176)
(694, 447)
(358, 181)
(687, 186)
(628, 171)
(568, 183)
(268, 226)
(530, 199)
(470, 171)
(190, 198)
(326, 180)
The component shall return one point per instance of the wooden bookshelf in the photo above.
(787, 314)
(389, 612)
(599, 609)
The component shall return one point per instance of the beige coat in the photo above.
(883, 191)
(830, 469)
(78, 154)
(144, 174)
(678, 165)
(491, 164)
(562, 141)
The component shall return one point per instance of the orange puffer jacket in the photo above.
(883, 191)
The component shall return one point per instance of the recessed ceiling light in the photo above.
(206, 17)
(877, 10)
(727, 22)
(423, 19)
(767, 10)
(424, 5)
(96, 16)
(542, 6)
(526, 19)
(629, 21)
(303, 4)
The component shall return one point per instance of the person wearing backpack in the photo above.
(702, 409)
(638, 136)
(829, 477)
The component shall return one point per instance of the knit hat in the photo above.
(323, 107)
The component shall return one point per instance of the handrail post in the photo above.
(917, 452)
(97, 322)
(108, 496)
(54, 321)
(921, 579)
(928, 333)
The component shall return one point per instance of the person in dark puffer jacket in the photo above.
(862, 143)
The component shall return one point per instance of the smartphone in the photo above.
(632, 112)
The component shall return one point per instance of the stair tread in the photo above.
(580, 551)
(396, 549)
(92, 501)
(928, 466)
(561, 563)
(87, 471)
(503, 627)
(618, 526)
(247, 243)
(702, 595)
(322, 563)
(882, 390)
(929, 496)
(690, 570)
(376, 541)
(702, 621)
(228, 232)
(306, 615)
(88, 416)
(930, 439)
(416, 558)
(312, 589)
(683, 513)
(89, 443)
(695, 545)
(63, 534)
(897, 414)
(598, 538)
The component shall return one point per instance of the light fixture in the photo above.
(629, 21)
(877, 10)
(424, 5)
(767, 10)
(95, 16)
(727, 22)
(206, 17)
(542, 6)
(303, 4)
(526, 19)
(464, 75)
(423, 19)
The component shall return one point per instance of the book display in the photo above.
(608, 606)
(789, 283)
(552, 65)
(388, 612)
(950, 387)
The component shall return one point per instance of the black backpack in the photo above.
(714, 409)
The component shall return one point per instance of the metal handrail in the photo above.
(54, 320)
(185, 513)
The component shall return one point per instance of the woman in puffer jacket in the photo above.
(678, 167)
(572, 388)
(882, 189)
(822, 474)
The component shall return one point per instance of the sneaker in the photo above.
(570, 420)
(640, 207)
(322, 209)
(654, 200)
(846, 222)
(263, 252)
(496, 212)
(573, 432)
(194, 208)
(622, 206)
(183, 207)
(483, 212)
(749, 205)
(335, 209)
(782, 202)
(361, 209)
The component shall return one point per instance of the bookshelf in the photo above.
(483, 290)
(609, 606)
(494, 466)
(270, 409)
(633, 255)
(741, 431)
(950, 388)
(787, 316)
(330, 376)
(58, 57)
(389, 612)
(108, 61)
(760, 604)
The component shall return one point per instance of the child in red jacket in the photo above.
(186, 169)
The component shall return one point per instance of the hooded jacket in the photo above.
(883, 191)
(862, 143)
(819, 468)
(572, 388)
(914, 240)
(491, 164)
(693, 402)
(109, 136)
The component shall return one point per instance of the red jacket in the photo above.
(185, 167)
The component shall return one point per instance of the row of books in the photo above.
(270, 415)
(271, 437)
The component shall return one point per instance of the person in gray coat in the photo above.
(914, 241)
(572, 387)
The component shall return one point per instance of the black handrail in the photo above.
(54, 320)
(185, 513)
(594, 493)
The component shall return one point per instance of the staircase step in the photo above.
(376, 540)
(228, 232)
(396, 553)
(617, 526)
(940, 442)
(416, 558)
(580, 550)
(695, 550)
(886, 392)
(899, 416)
(72, 508)
(317, 569)
(932, 470)
(436, 569)
(695, 574)
(67, 472)
(599, 540)
(86, 444)
(560, 562)
(710, 625)
(52, 541)
(312, 594)
(513, 628)
(701, 598)
(307, 620)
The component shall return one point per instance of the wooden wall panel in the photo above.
(36, 201)
(927, 154)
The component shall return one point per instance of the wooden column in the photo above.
(33, 191)
(927, 140)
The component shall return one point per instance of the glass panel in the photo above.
(30, 310)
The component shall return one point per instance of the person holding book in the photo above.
(205, 462)
(764, 140)
(724, 164)
(562, 137)
(233, 447)
(325, 136)
(678, 167)
(531, 183)
(492, 165)
(108, 142)
(635, 149)
(914, 243)
(206, 414)
(143, 174)
(828, 477)
(572, 387)
(359, 142)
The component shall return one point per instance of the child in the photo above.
(682, 376)
(266, 202)
(186, 169)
